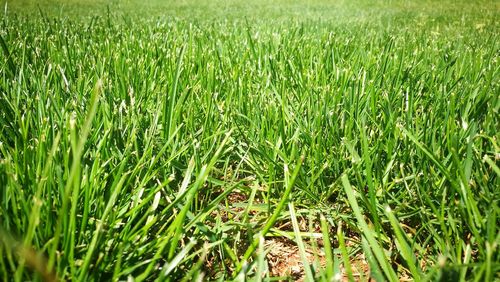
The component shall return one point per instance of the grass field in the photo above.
(260, 140)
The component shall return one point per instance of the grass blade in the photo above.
(378, 251)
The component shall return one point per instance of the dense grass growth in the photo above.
(174, 142)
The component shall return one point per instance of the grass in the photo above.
(171, 141)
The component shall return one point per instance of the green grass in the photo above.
(127, 130)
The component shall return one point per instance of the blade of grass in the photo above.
(345, 255)
(403, 246)
(300, 243)
(327, 246)
(368, 233)
(269, 224)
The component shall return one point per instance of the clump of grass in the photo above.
(154, 147)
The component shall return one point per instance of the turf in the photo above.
(193, 139)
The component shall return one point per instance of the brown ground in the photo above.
(283, 257)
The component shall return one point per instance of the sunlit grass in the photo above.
(172, 143)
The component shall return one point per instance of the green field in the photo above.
(249, 140)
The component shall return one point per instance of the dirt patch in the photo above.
(284, 261)
(283, 255)
(284, 258)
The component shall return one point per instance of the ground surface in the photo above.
(273, 140)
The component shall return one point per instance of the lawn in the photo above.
(249, 140)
